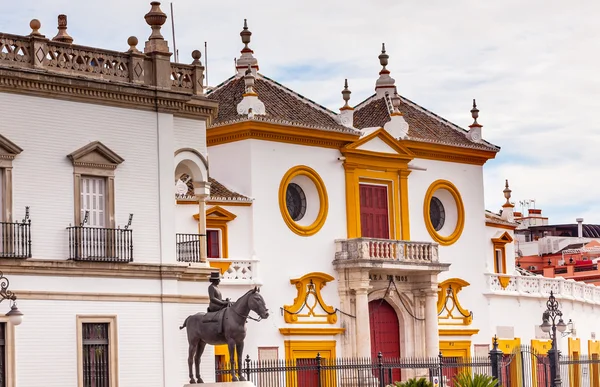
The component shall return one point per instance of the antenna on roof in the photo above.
(206, 62)
(173, 31)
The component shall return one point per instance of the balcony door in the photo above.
(374, 215)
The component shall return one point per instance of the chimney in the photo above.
(579, 227)
(507, 208)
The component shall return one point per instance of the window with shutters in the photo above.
(97, 352)
(499, 261)
(93, 200)
(374, 216)
(214, 244)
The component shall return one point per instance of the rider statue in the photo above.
(216, 299)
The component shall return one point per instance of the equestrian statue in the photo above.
(223, 323)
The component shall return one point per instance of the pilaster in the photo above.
(166, 186)
(202, 191)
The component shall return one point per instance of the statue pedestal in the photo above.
(222, 384)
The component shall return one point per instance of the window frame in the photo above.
(105, 199)
(499, 244)
(113, 349)
(219, 233)
(8, 152)
(10, 369)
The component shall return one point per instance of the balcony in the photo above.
(15, 238)
(188, 247)
(100, 244)
(237, 271)
(386, 253)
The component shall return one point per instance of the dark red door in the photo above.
(374, 221)
(307, 373)
(385, 334)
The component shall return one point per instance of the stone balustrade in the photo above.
(35, 52)
(387, 250)
(239, 272)
(539, 286)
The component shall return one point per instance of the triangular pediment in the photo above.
(95, 154)
(504, 238)
(8, 149)
(218, 213)
(380, 142)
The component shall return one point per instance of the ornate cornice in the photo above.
(43, 84)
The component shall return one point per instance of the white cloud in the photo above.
(530, 64)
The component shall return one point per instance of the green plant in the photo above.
(422, 382)
(465, 379)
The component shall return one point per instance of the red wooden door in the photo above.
(374, 218)
(307, 372)
(385, 334)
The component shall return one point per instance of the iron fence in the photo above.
(580, 371)
(355, 372)
(188, 247)
(15, 239)
(100, 244)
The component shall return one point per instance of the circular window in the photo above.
(303, 200)
(437, 214)
(295, 201)
(443, 212)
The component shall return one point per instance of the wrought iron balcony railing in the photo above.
(101, 244)
(15, 238)
(188, 247)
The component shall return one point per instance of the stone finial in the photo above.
(155, 19)
(35, 26)
(247, 57)
(196, 55)
(132, 41)
(507, 191)
(246, 34)
(346, 96)
(62, 35)
(383, 60)
(475, 115)
(475, 129)
(397, 126)
(396, 104)
(385, 83)
(249, 82)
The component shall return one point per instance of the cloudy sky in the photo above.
(532, 66)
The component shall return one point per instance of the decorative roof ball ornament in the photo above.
(246, 34)
(181, 188)
(155, 19)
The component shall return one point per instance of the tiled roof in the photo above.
(497, 219)
(282, 106)
(423, 125)
(220, 192)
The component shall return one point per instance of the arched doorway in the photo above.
(385, 332)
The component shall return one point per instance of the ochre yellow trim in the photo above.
(460, 221)
(458, 332)
(508, 346)
(504, 281)
(574, 346)
(456, 348)
(113, 355)
(291, 313)
(424, 150)
(311, 331)
(594, 354)
(498, 225)
(363, 166)
(216, 203)
(279, 133)
(300, 349)
(464, 316)
(500, 244)
(541, 347)
(216, 219)
(303, 170)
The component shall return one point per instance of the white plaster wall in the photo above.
(190, 133)
(494, 232)
(256, 169)
(231, 165)
(43, 175)
(240, 232)
(184, 219)
(470, 255)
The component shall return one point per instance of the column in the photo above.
(202, 191)
(166, 187)
(432, 337)
(363, 330)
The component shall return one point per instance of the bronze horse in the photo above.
(202, 329)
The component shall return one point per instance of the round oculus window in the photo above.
(295, 201)
(437, 214)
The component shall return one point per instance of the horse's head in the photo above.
(257, 304)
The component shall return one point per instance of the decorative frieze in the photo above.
(386, 249)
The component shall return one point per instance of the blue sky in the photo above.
(532, 66)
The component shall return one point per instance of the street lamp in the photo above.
(15, 316)
(550, 315)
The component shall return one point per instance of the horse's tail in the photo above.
(185, 322)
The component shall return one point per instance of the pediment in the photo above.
(504, 238)
(380, 142)
(8, 149)
(218, 213)
(95, 155)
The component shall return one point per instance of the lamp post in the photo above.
(550, 315)
(15, 316)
